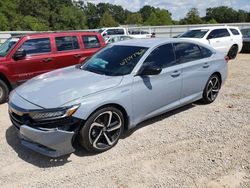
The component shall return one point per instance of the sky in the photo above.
(178, 8)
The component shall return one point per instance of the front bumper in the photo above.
(52, 138)
(53, 143)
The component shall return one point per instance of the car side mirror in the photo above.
(20, 54)
(149, 70)
(210, 37)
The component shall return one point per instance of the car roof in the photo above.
(152, 42)
(57, 33)
(215, 27)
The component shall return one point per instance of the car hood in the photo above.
(54, 89)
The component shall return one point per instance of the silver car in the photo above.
(120, 86)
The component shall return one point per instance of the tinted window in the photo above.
(114, 60)
(115, 32)
(186, 52)
(218, 33)
(161, 57)
(246, 33)
(37, 46)
(66, 43)
(198, 33)
(235, 32)
(91, 42)
(205, 52)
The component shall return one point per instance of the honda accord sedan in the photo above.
(120, 86)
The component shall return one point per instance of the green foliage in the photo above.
(212, 21)
(222, 14)
(107, 20)
(192, 17)
(159, 17)
(134, 19)
(3, 23)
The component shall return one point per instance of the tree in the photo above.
(134, 18)
(107, 20)
(152, 20)
(212, 21)
(3, 23)
(222, 14)
(192, 17)
(146, 12)
(164, 17)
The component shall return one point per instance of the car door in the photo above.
(220, 39)
(68, 50)
(155, 94)
(39, 59)
(195, 69)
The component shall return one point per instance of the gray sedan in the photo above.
(122, 85)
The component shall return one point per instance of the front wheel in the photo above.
(212, 89)
(102, 130)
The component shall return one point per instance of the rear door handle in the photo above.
(206, 65)
(47, 60)
(176, 73)
(77, 56)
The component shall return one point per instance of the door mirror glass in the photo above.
(20, 54)
(149, 70)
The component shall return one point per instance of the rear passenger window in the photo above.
(91, 42)
(186, 52)
(218, 33)
(235, 32)
(37, 46)
(205, 52)
(67, 43)
(161, 57)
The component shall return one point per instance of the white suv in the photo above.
(225, 39)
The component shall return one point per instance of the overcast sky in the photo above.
(178, 8)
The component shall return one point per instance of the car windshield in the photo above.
(198, 33)
(246, 33)
(114, 60)
(7, 46)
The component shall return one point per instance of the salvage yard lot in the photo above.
(194, 146)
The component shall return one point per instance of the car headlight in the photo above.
(54, 114)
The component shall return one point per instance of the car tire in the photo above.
(233, 52)
(4, 92)
(102, 130)
(212, 89)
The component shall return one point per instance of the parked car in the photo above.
(246, 39)
(111, 31)
(117, 38)
(225, 39)
(122, 85)
(23, 57)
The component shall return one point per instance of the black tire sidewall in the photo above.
(84, 132)
(5, 88)
(233, 49)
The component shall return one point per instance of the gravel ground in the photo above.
(194, 146)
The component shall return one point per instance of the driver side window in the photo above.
(161, 57)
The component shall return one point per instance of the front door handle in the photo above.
(176, 73)
(77, 55)
(206, 65)
(47, 59)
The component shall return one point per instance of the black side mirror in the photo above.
(210, 37)
(20, 54)
(149, 70)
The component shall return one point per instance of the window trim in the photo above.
(37, 54)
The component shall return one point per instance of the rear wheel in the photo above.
(212, 89)
(233, 52)
(4, 92)
(102, 130)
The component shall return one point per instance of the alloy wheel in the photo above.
(213, 88)
(105, 130)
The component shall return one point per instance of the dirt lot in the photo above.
(195, 146)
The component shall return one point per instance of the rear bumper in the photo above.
(52, 143)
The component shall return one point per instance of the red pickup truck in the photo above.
(23, 57)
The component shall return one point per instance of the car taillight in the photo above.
(226, 58)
